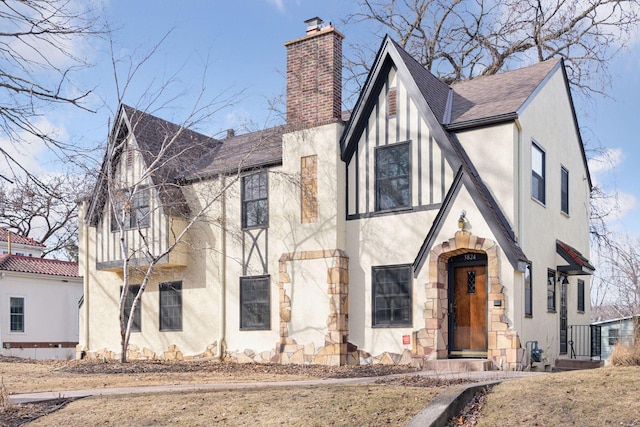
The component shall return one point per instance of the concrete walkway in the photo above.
(449, 400)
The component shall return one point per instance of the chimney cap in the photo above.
(313, 24)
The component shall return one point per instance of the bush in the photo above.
(626, 355)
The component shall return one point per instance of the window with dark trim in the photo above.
(128, 303)
(614, 336)
(171, 306)
(393, 176)
(537, 173)
(580, 295)
(528, 294)
(551, 290)
(138, 213)
(16, 315)
(391, 296)
(255, 206)
(564, 190)
(255, 303)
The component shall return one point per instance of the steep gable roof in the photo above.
(25, 264)
(18, 239)
(496, 97)
(435, 101)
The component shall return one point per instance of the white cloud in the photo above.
(279, 4)
(605, 162)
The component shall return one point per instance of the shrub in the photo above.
(626, 355)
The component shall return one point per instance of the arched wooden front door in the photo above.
(468, 305)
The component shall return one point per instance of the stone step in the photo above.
(575, 364)
(458, 365)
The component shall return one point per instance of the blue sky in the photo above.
(242, 43)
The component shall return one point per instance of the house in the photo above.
(434, 222)
(623, 330)
(38, 301)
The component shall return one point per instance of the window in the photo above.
(564, 191)
(537, 173)
(16, 315)
(128, 303)
(580, 295)
(392, 296)
(137, 216)
(171, 306)
(255, 208)
(528, 300)
(551, 290)
(255, 313)
(393, 173)
(614, 336)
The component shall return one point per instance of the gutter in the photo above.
(222, 273)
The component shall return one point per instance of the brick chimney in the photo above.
(314, 76)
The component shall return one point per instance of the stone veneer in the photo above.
(503, 343)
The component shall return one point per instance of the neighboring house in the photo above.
(623, 330)
(19, 245)
(436, 222)
(38, 302)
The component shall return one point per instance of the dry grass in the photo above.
(626, 355)
(597, 397)
(292, 406)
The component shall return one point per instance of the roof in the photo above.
(26, 264)
(578, 264)
(497, 96)
(18, 239)
(240, 152)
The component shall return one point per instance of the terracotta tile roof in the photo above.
(578, 264)
(18, 239)
(26, 264)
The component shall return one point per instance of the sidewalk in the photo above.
(480, 376)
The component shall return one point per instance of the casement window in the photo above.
(537, 173)
(393, 176)
(255, 205)
(391, 296)
(138, 213)
(528, 294)
(255, 306)
(171, 306)
(16, 314)
(581, 295)
(564, 190)
(128, 303)
(551, 290)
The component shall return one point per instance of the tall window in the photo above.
(128, 303)
(16, 315)
(171, 306)
(255, 207)
(564, 190)
(255, 313)
(393, 177)
(137, 215)
(528, 294)
(551, 290)
(392, 296)
(537, 173)
(581, 295)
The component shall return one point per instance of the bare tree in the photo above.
(462, 39)
(618, 284)
(38, 57)
(48, 213)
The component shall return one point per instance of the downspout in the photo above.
(222, 271)
(85, 227)
(521, 189)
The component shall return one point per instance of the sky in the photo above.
(234, 50)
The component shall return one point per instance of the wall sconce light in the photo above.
(563, 279)
(462, 220)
